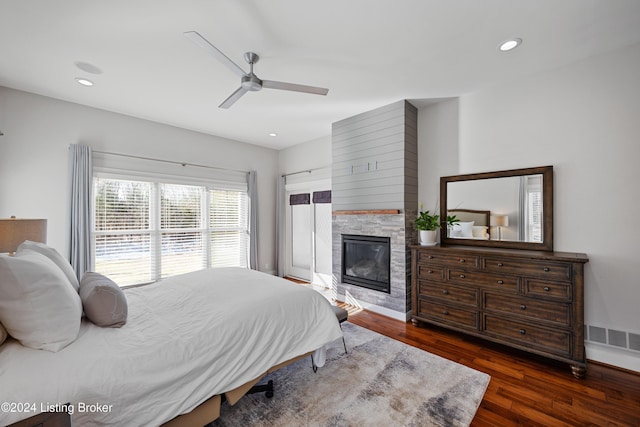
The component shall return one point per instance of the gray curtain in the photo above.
(280, 226)
(253, 221)
(80, 184)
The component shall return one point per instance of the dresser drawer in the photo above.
(550, 340)
(548, 311)
(540, 269)
(449, 314)
(447, 292)
(431, 272)
(490, 281)
(440, 258)
(547, 289)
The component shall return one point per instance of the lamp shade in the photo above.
(499, 220)
(14, 231)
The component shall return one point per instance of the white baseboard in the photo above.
(375, 308)
(612, 356)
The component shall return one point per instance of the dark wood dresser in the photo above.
(530, 300)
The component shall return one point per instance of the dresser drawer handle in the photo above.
(547, 289)
(462, 276)
(445, 292)
(500, 264)
(523, 307)
(546, 269)
(462, 260)
(430, 271)
(523, 331)
(446, 313)
(430, 257)
(500, 282)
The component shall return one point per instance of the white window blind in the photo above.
(145, 231)
(534, 209)
(122, 221)
(229, 236)
(182, 228)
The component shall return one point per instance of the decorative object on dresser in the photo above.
(428, 225)
(14, 231)
(532, 300)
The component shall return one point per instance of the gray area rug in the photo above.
(380, 382)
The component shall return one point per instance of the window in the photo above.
(533, 212)
(145, 231)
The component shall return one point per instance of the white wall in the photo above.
(584, 119)
(437, 149)
(34, 149)
(311, 155)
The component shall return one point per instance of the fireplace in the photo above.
(366, 262)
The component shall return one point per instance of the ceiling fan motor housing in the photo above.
(251, 82)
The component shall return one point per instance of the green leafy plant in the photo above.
(426, 221)
(451, 219)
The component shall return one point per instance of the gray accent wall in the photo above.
(375, 167)
(375, 159)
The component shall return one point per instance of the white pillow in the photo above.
(38, 306)
(462, 229)
(54, 256)
(3, 334)
(480, 231)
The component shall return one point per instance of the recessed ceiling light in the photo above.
(273, 134)
(510, 44)
(84, 82)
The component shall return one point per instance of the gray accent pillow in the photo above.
(54, 256)
(103, 301)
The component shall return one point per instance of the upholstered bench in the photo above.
(342, 315)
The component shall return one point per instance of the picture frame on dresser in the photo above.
(517, 293)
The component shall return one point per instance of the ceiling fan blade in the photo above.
(270, 84)
(195, 37)
(233, 98)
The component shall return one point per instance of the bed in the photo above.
(474, 224)
(188, 340)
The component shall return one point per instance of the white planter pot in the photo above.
(428, 236)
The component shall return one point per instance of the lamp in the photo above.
(499, 221)
(14, 231)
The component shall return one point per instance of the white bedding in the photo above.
(187, 338)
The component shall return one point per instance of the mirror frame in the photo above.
(547, 209)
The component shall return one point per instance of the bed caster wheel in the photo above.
(269, 394)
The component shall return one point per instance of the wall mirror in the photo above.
(505, 209)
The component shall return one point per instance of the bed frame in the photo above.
(209, 410)
(465, 215)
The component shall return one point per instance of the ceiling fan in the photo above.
(248, 81)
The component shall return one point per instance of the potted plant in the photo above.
(428, 226)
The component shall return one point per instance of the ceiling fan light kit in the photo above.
(249, 82)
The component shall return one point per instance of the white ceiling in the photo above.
(369, 53)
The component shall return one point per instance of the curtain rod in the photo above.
(169, 161)
(305, 171)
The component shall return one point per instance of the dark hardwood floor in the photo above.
(524, 390)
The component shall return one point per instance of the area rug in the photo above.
(379, 382)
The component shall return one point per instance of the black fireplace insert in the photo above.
(366, 261)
